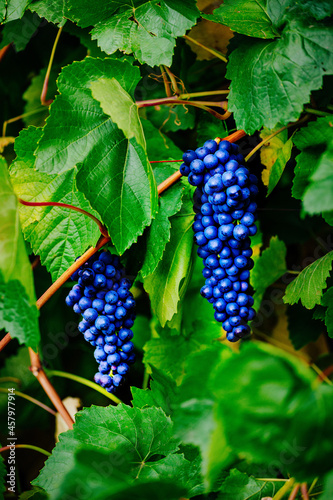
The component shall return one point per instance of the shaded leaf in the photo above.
(319, 195)
(58, 235)
(161, 394)
(309, 285)
(302, 327)
(327, 301)
(268, 268)
(240, 486)
(312, 141)
(20, 31)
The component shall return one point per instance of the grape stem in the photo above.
(31, 399)
(27, 446)
(197, 104)
(285, 488)
(304, 491)
(43, 100)
(166, 82)
(215, 53)
(84, 381)
(101, 226)
(19, 117)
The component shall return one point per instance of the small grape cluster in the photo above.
(224, 221)
(103, 298)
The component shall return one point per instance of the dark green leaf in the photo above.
(302, 327)
(271, 410)
(240, 486)
(327, 301)
(167, 285)
(18, 313)
(319, 195)
(58, 235)
(328, 487)
(279, 75)
(309, 285)
(161, 394)
(172, 118)
(312, 140)
(268, 268)
(20, 31)
(146, 28)
(36, 493)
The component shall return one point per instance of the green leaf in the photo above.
(240, 486)
(135, 434)
(32, 98)
(19, 32)
(58, 235)
(169, 353)
(319, 195)
(171, 118)
(97, 476)
(146, 28)
(327, 301)
(247, 17)
(167, 285)
(302, 327)
(117, 103)
(268, 268)
(309, 285)
(328, 487)
(270, 410)
(278, 76)
(208, 127)
(55, 11)
(161, 394)
(274, 155)
(18, 313)
(114, 175)
(312, 141)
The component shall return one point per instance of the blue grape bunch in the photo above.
(223, 224)
(102, 296)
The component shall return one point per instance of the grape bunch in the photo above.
(224, 221)
(102, 295)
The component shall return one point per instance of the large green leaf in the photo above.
(115, 174)
(312, 141)
(58, 235)
(20, 32)
(268, 268)
(18, 313)
(309, 285)
(146, 28)
(248, 17)
(160, 147)
(167, 285)
(97, 476)
(279, 75)
(137, 444)
(272, 412)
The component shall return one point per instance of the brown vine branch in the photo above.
(166, 82)
(304, 491)
(101, 226)
(4, 51)
(37, 370)
(43, 100)
(173, 81)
